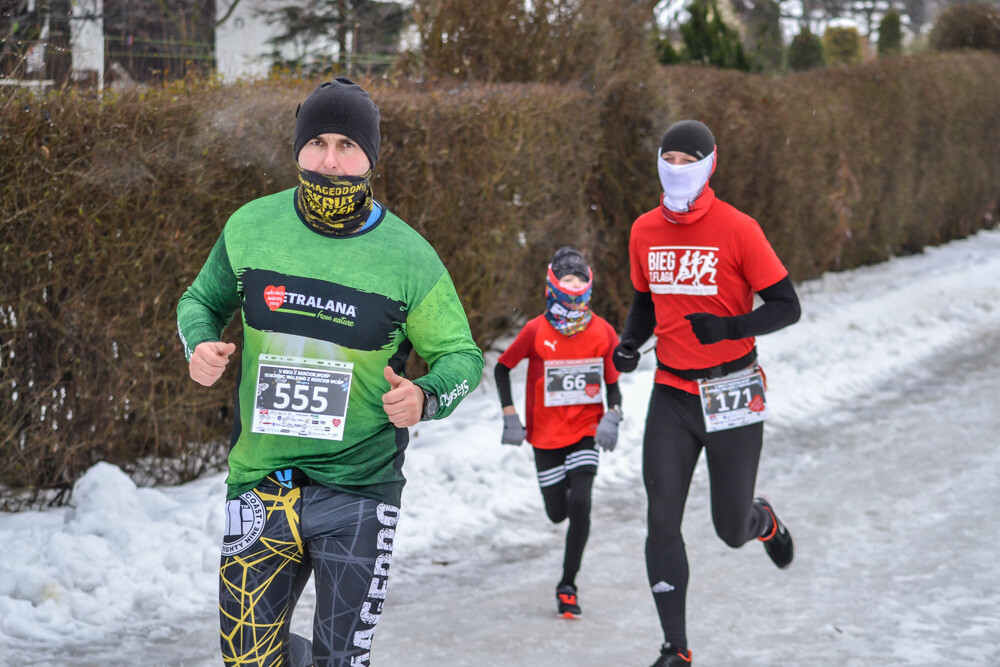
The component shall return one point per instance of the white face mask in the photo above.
(682, 183)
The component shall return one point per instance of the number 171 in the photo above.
(735, 395)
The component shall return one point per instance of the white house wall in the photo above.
(86, 38)
(241, 49)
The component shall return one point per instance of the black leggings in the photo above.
(675, 435)
(566, 478)
(277, 536)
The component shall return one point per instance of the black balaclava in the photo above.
(688, 136)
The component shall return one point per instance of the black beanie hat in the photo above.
(566, 261)
(343, 107)
(688, 136)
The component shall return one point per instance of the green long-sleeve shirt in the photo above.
(322, 316)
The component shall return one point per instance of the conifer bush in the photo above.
(806, 51)
(973, 25)
(890, 34)
(842, 46)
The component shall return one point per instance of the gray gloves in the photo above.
(607, 430)
(606, 436)
(513, 430)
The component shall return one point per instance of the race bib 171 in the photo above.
(733, 401)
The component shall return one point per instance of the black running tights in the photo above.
(675, 435)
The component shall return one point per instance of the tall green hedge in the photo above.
(109, 206)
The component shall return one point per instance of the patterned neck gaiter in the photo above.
(568, 310)
(333, 205)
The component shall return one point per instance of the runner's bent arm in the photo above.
(640, 321)
(780, 308)
(208, 305)
(511, 357)
(439, 331)
(501, 375)
(614, 395)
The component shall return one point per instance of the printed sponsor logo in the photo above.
(551, 344)
(592, 389)
(371, 610)
(662, 587)
(459, 391)
(244, 523)
(358, 319)
(682, 270)
(274, 296)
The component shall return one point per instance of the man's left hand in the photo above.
(709, 328)
(404, 402)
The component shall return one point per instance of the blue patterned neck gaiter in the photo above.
(568, 311)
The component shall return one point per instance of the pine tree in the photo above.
(767, 48)
(709, 40)
(890, 34)
(312, 28)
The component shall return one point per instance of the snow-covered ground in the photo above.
(881, 455)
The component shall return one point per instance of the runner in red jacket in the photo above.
(569, 352)
(696, 263)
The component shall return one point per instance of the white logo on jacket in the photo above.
(682, 270)
(551, 344)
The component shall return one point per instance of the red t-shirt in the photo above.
(713, 265)
(551, 427)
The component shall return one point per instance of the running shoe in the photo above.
(778, 541)
(567, 603)
(671, 656)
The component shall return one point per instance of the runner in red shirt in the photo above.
(569, 352)
(696, 263)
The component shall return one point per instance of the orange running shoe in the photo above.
(778, 541)
(567, 603)
(671, 656)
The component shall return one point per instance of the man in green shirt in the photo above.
(333, 289)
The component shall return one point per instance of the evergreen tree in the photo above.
(973, 25)
(806, 51)
(842, 46)
(666, 53)
(365, 31)
(709, 41)
(890, 34)
(767, 48)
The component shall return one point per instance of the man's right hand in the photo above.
(513, 430)
(208, 361)
(625, 358)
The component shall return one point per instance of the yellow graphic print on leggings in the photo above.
(244, 553)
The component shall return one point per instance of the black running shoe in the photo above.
(778, 541)
(566, 600)
(671, 656)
